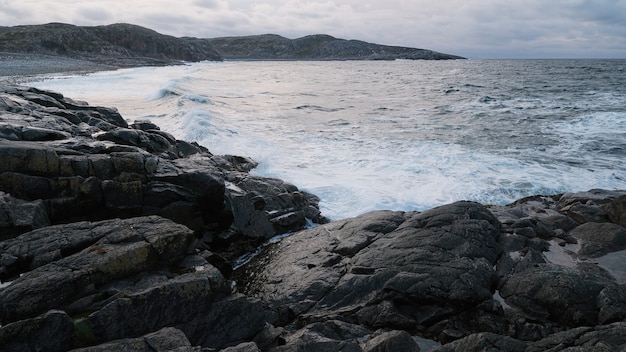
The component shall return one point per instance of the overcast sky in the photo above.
(470, 28)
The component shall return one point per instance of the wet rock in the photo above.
(384, 269)
(243, 347)
(600, 338)
(126, 247)
(52, 331)
(391, 341)
(598, 239)
(617, 211)
(484, 342)
(164, 340)
(564, 295)
(17, 216)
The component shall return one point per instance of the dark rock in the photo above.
(567, 296)
(598, 239)
(327, 336)
(18, 216)
(583, 213)
(52, 331)
(484, 342)
(243, 347)
(125, 247)
(383, 269)
(391, 341)
(610, 337)
(164, 340)
(617, 211)
(232, 320)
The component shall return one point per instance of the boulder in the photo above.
(617, 211)
(164, 340)
(484, 342)
(52, 331)
(383, 269)
(17, 216)
(113, 250)
(597, 239)
(391, 341)
(567, 296)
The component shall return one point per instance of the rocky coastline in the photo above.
(116, 236)
(126, 45)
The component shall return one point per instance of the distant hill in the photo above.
(127, 45)
(316, 47)
(117, 44)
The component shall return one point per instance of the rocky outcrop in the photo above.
(104, 221)
(117, 45)
(316, 47)
(514, 278)
(117, 236)
(126, 45)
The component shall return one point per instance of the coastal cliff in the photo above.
(316, 47)
(116, 236)
(116, 45)
(127, 45)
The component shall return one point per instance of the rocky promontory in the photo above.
(125, 45)
(116, 236)
(316, 47)
(116, 45)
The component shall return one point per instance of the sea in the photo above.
(399, 135)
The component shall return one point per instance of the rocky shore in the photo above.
(116, 236)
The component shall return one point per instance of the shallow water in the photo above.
(404, 135)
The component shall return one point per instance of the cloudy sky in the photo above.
(471, 28)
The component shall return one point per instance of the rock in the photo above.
(52, 331)
(327, 336)
(383, 269)
(484, 342)
(243, 347)
(229, 321)
(118, 248)
(567, 296)
(617, 211)
(17, 216)
(164, 340)
(610, 337)
(391, 341)
(598, 239)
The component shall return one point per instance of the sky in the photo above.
(470, 28)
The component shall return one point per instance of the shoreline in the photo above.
(24, 68)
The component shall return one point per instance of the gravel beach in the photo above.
(20, 67)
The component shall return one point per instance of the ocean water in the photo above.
(402, 135)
